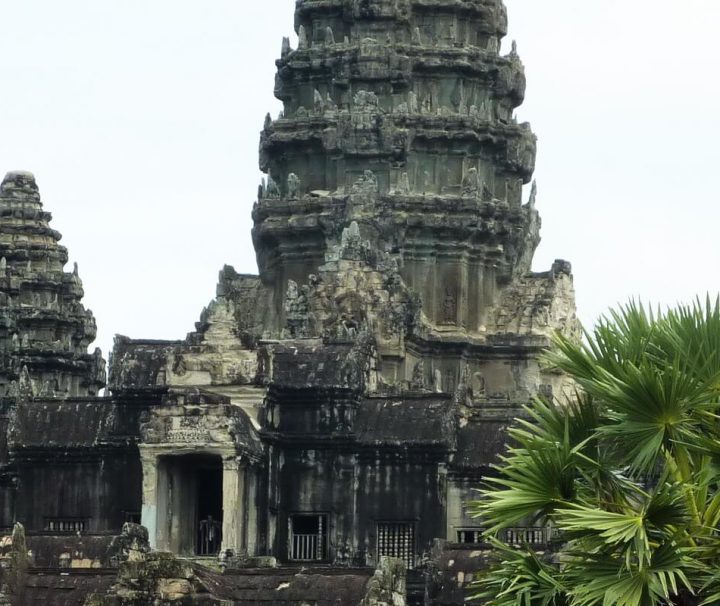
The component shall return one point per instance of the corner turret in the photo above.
(45, 331)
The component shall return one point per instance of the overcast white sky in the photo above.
(140, 119)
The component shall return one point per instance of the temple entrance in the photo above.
(209, 511)
(190, 504)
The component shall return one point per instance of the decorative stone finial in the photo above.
(418, 382)
(318, 102)
(404, 184)
(272, 191)
(26, 387)
(302, 38)
(293, 182)
(560, 267)
(19, 181)
(413, 107)
(351, 239)
(471, 182)
(329, 103)
(425, 182)
(486, 193)
(329, 36)
(286, 48)
(533, 194)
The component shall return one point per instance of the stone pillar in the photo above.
(251, 531)
(149, 497)
(234, 506)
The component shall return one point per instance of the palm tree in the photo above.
(626, 473)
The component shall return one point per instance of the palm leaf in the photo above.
(520, 578)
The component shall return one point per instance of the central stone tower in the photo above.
(398, 122)
(357, 391)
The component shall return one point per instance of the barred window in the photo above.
(513, 536)
(209, 537)
(66, 525)
(526, 536)
(397, 540)
(308, 537)
(470, 536)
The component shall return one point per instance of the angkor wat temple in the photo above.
(327, 419)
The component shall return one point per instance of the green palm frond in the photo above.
(611, 526)
(711, 511)
(549, 423)
(651, 395)
(520, 578)
(627, 472)
(625, 336)
(533, 484)
(694, 332)
(706, 569)
(711, 591)
(607, 580)
(666, 510)
(631, 531)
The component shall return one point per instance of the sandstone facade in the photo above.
(327, 419)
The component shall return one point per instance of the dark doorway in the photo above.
(209, 510)
(190, 504)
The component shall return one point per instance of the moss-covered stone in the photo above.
(387, 587)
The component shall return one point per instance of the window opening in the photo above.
(66, 525)
(308, 537)
(512, 536)
(470, 536)
(526, 536)
(397, 540)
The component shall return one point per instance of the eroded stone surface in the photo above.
(44, 329)
(341, 406)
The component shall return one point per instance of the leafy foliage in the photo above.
(626, 472)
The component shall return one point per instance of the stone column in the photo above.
(149, 497)
(234, 505)
(251, 531)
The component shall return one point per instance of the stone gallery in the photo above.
(314, 440)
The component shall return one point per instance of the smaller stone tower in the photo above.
(44, 329)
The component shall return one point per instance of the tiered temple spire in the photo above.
(399, 116)
(45, 331)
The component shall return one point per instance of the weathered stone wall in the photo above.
(369, 372)
(145, 578)
(82, 448)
